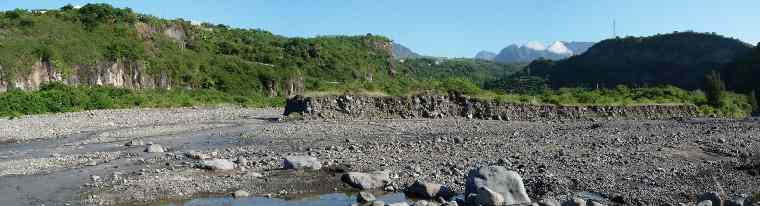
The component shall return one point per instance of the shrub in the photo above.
(753, 101)
(714, 89)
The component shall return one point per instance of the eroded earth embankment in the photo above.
(381, 107)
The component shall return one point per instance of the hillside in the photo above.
(744, 73)
(485, 55)
(101, 45)
(403, 52)
(475, 70)
(681, 59)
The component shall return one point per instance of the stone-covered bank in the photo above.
(382, 107)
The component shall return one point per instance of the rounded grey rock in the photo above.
(366, 181)
(155, 148)
(712, 196)
(218, 164)
(302, 162)
(497, 179)
(365, 197)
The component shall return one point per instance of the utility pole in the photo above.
(614, 28)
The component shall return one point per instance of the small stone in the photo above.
(594, 203)
(421, 203)
(95, 178)
(574, 202)
(399, 204)
(428, 190)
(451, 203)
(378, 203)
(389, 188)
(738, 201)
(218, 164)
(91, 163)
(302, 162)
(365, 197)
(241, 193)
(705, 203)
(197, 155)
(254, 174)
(135, 142)
(242, 161)
(714, 197)
(548, 202)
(486, 196)
(155, 148)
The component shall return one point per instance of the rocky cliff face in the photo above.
(121, 74)
(363, 107)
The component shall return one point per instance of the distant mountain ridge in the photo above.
(537, 50)
(403, 52)
(485, 55)
(681, 59)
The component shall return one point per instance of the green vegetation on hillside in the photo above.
(680, 59)
(216, 64)
(475, 70)
(733, 105)
(58, 97)
(204, 56)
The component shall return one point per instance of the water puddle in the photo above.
(334, 199)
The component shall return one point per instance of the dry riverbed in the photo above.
(81, 158)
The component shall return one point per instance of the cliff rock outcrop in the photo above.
(372, 107)
(121, 74)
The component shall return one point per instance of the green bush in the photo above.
(57, 97)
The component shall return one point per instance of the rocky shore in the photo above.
(137, 157)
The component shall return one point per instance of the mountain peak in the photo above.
(535, 45)
(485, 55)
(535, 49)
(559, 48)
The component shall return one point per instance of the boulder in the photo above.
(367, 181)
(548, 202)
(302, 162)
(574, 202)
(135, 142)
(399, 204)
(155, 148)
(714, 197)
(484, 181)
(487, 197)
(240, 193)
(365, 197)
(736, 201)
(421, 203)
(428, 190)
(705, 203)
(218, 164)
(197, 155)
(450, 203)
(378, 203)
(594, 203)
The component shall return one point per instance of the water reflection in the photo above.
(334, 199)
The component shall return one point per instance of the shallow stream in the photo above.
(333, 199)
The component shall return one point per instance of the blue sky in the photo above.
(458, 28)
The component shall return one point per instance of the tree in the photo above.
(714, 88)
(67, 7)
(753, 101)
